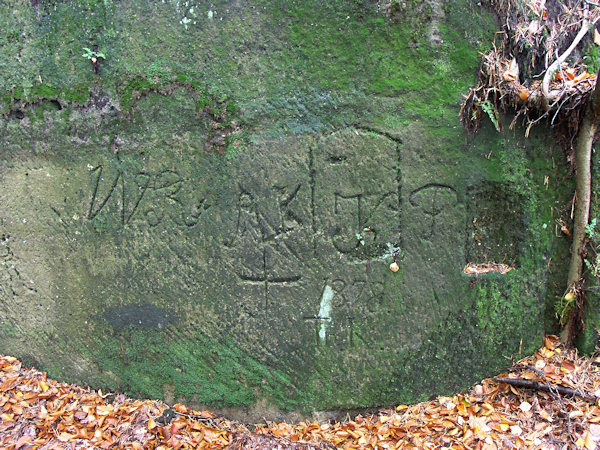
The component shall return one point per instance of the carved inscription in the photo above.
(353, 219)
(290, 232)
(319, 323)
(287, 198)
(360, 296)
(261, 253)
(341, 332)
(357, 194)
(351, 300)
(433, 199)
(129, 193)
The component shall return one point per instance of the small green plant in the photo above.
(590, 229)
(490, 110)
(593, 265)
(360, 238)
(93, 55)
(563, 306)
(591, 59)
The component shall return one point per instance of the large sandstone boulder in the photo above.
(210, 212)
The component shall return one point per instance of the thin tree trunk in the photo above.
(583, 187)
(581, 217)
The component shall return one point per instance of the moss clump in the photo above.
(225, 131)
(45, 91)
(135, 89)
(236, 144)
(78, 94)
(141, 86)
(42, 96)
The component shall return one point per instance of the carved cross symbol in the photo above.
(265, 278)
(433, 198)
(254, 229)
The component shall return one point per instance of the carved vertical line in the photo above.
(351, 330)
(95, 193)
(312, 173)
(399, 183)
(265, 276)
(93, 213)
(122, 198)
(361, 223)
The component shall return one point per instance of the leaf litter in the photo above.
(549, 400)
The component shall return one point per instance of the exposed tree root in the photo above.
(534, 33)
(538, 386)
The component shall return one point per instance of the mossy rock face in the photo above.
(215, 223)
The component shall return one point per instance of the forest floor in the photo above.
(549, 400)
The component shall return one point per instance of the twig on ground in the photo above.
(536, 385)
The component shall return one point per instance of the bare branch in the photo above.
(528, 384)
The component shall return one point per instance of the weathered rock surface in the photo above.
(212, 215)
